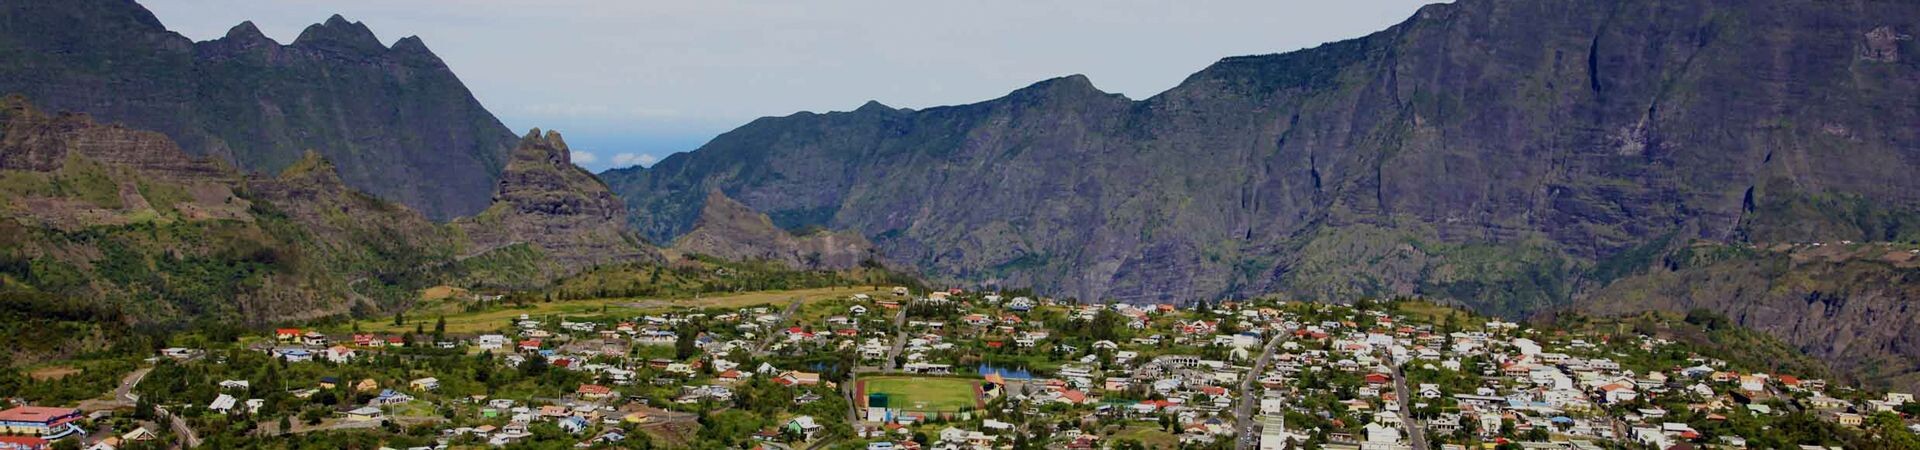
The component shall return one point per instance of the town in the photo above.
(899, 368)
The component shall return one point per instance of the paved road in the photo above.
(125, 391)
(1243, 412)
(122, 396)
(899, 340)
(1416, 434)
(179, 427)
(775, 330)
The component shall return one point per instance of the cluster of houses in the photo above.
(1363, 379)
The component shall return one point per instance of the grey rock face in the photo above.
(1490, 152)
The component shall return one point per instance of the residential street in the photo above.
(1243, 412)
(1416, 435)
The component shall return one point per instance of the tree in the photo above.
(399, 318)
(534, 367)
(685, 345)
(440, 328)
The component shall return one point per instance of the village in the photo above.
(896, 369)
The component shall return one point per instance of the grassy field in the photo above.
(1148, 434)
(1429, 312)
(461, 321)
(927, 394)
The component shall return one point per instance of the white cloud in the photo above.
(633, 159)
(584, 158)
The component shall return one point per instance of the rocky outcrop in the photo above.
(1489, 152)
(396, 120)
(546, 201)
(729, 230)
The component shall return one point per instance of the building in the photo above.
(364, 413)
(23, 443)
(39, 421)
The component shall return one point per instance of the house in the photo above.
(141, 434)
(594, 391)
(803, 426)
(390, 397)
(490, 342)
(223, 404)
(314, 338)
(340, 354)
(797, 378)
(294, 354)
(364, 413)
(287, 334)
(425, 384)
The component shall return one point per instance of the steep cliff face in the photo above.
(1491, 152)
(545, 201)
(395, 120)
(730, 230)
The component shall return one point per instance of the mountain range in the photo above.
(1510, 156)
(395, 120)
(1524, 158)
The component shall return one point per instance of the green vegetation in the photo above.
(928, 394)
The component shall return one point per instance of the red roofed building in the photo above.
(594, 391)
(22, 443)
(286, 334)
(39, 421)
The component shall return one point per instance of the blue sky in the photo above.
(629, 82)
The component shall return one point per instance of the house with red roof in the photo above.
(594, 391)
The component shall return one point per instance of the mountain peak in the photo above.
(246, 34)
(873, 106)
(338, 32)
(1069, 86)
(546, 145)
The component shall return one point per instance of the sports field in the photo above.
(924, 394)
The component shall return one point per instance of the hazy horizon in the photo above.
(632, 83)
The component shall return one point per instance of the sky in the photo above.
(632, 81)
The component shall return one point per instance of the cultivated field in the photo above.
(460, 321)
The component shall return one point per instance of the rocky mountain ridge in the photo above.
(1509, 156)
(106, 229)
(729, 230)
(1553, 133)
(396, 120)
